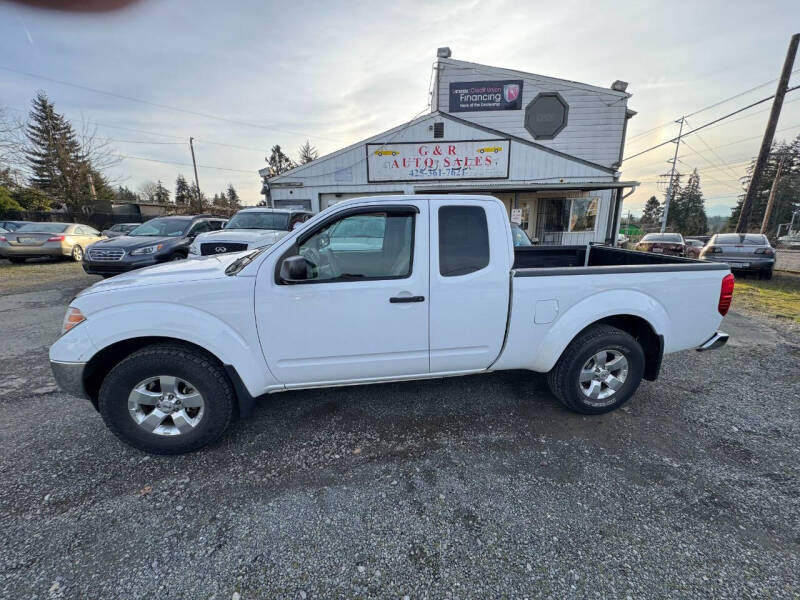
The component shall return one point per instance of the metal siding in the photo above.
(596, 119)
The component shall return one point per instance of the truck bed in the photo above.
(533, 261)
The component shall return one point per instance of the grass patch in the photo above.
(779, 297)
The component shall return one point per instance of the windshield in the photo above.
(43, 228)
(748, 239)
(162, 228)
(674, 238)
(520, 237)
(259, 220)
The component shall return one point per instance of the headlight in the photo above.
(73, 317)
(194, 248)
(147, 249)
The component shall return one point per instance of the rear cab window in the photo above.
(463, 240)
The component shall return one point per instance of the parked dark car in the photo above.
(742, 252)
(120, 229)
(662, 243)
(13, 225)
(693, 247)
(155, 241)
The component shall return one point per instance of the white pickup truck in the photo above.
(374, 290)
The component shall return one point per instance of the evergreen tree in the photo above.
(693, 220)
(161, 195)
(307, 153)
(278, 162)
(197, 199)
(7, 203)
(787, 194)
(675, 214)
(653, 211)
(54, 155)
(232, 198)
(220, 200)
(182, 192)
(125, 195)
(31, 199)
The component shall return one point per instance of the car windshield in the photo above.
(43, 228)
(259, 220)
(520, 237)
(162, 227)
(674, 238)
(747, 239)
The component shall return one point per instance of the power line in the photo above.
(638, 135)
(708, 124)
(170, 162)
(165, 106)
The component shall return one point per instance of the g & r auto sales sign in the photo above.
(422, 161)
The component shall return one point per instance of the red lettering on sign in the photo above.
(437, 151)
(429, 163)
(395, 165)
(423, 150)
(446, 161)
(451, 150)
(488, 160)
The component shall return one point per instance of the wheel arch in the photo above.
(104, 360)
(636, 313)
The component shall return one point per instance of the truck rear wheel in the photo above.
(599, 370)
(167, 399)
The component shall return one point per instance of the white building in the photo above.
(550, 148)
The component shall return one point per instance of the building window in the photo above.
(583, 214)
(463, 240)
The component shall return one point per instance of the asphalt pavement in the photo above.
(476, 487)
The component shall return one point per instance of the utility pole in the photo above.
(769, 134)
(771, 201)
(671, 187)
(196, 181)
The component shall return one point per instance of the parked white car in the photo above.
(248, 229)
(374, 290)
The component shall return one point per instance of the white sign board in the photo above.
(424, 161)
(516, 215)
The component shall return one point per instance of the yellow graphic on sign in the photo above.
(386, 153)
(494, 149)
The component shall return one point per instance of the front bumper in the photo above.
(69, 377)
(115, 267)
(718, 340)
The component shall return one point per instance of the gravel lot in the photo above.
(468, 488)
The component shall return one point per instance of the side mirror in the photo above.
(294, 269)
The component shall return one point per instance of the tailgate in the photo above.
(28, 238)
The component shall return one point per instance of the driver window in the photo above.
(368, 245)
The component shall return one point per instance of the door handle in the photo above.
(398, 299)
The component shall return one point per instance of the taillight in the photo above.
(726, 294)
(767, 251)
(56, 238)
(3, 238)
(714, 249)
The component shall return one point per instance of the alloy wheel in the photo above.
(603, 375)
(166, 405)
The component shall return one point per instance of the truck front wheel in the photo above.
(167, 399)
(599, 371)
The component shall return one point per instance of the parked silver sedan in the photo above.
(742, 252)
(57, 240)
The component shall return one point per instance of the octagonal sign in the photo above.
(546, 115)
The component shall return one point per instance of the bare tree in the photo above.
(149, 191)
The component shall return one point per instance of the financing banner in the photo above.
(486, 95)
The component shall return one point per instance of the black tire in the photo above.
(77, 253)
(176, 256)
(176, 360)
(16, 260)
(766, 274)
(564, 378)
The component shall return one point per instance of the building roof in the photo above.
(483, 70)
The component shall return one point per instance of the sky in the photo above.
(240, 76)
